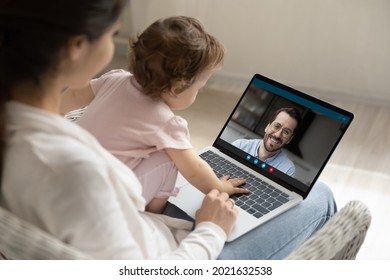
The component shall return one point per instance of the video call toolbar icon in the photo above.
(263, 165)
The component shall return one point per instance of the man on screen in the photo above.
(279, 131)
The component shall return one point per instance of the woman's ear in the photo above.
(77, 46)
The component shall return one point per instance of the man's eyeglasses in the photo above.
(286, 132)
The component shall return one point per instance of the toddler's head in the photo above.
(171, 53)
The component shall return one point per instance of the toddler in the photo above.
(130, 113)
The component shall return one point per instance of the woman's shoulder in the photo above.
(48, 163)
(54, 151)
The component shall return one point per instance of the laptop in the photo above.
(275, 187)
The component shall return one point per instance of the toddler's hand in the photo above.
(231, 185)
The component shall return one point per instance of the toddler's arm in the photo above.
(72, 99)
(201, 175)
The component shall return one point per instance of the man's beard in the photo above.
(270, 149)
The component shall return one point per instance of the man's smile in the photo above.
(274, 140)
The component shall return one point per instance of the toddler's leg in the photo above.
(158, 175)
(157, 205)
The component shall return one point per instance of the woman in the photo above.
(57, 176)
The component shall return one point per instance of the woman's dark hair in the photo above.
(33, 34)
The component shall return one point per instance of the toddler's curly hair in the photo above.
(171, 53)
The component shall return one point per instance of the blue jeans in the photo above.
(282, 235)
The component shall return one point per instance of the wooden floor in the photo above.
(359, 168)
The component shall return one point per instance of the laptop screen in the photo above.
(283, 133)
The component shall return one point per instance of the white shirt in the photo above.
(58, 177)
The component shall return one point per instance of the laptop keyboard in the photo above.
(262, 198)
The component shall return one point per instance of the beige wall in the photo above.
(329, 46)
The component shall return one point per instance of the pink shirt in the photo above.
(129, 124)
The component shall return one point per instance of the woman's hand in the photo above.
(219, 209)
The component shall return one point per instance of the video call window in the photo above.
(311, 145)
